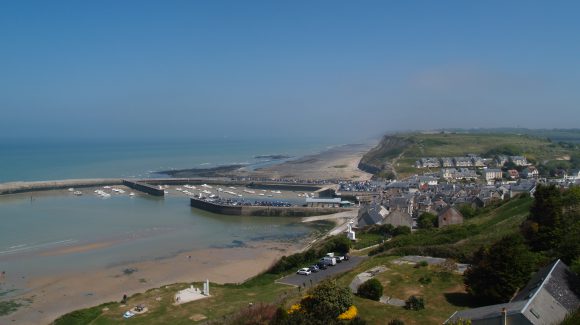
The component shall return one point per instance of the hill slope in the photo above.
(397, 154)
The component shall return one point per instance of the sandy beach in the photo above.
(53, 296)
(48, 297)
(340, 162)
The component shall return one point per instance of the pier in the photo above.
(264, 211)
(22, 187)
(144, 187)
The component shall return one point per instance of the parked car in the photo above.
(304, 271)
(314, 268)
(322, 266)
(328, 261)
(346, 257)
(339, 259)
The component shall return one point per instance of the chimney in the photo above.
(503, 316)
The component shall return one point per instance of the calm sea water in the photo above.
(138, 228)
(30, 160)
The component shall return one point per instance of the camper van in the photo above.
(328, 260)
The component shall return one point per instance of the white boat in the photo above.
(131, 194)
(78, 193)
(71, 189)
(207, 186)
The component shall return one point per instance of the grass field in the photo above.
(443, 295)
(224, 300)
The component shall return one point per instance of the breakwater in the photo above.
(21, 187)
(144, 187)
(243, 210)
(147, 185)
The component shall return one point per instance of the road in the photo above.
(300, 280)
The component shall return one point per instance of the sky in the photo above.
(349, 69)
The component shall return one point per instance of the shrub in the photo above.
(422, 264)
(425, 280)
(396, 321)
(415, 303)
(371, 289)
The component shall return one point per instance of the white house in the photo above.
(492, 174)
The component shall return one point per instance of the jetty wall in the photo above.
(144, 187)
(21, 187)
(265, 211)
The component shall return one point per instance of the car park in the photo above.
(304, 271)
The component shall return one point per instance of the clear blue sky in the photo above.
(298, 68)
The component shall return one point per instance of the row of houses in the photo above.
(517, 160)
(470, 161)
(376, 213)
(435, 162)
(492, 174)
(400, 203)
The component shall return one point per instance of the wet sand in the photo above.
(52, 296)
(340, 162)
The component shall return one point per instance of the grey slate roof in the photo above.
(555, 279)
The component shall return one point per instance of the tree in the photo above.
(415, 303)
(371, 289)
(401, 230)
(327, 300)
(341, 244)
(467, 211)
(498, 271)
(427, 220)
(575, 266)
(540, 229)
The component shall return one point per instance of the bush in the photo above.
(425, 280)
(327, 300)
(415, 303)
(396, 321)
(422, 264)
(371, 289)
(427, 220)
(401, 230)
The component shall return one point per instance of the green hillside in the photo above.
(460, 241)
(397, 154)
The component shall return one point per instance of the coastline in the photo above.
(53, 296)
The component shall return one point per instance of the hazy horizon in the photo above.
(302, 69)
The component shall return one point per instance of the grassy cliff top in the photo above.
(397, 153)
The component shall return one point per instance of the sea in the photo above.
(125, 229)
